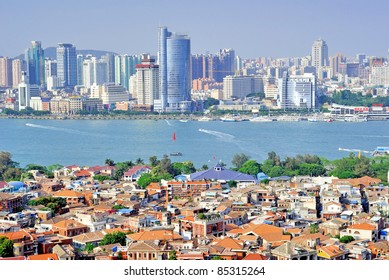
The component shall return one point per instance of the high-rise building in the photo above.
(241, 86)
(147, 82)
(5, 72)
(335, 62)
(109, 59)
(35, 64)
(17, 68)
(24, 92)
(124, 69)
(94, 71)
(67, 64)
(380, 75)
(50, 68)
(319, 54)
(174, 71)
(297, 92)
(80, 61)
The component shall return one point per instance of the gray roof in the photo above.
(220, 173)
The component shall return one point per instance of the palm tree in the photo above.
(109, 162)
(139, 161)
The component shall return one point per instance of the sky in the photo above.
(253, 28)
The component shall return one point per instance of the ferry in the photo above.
(381, 151)
(176, 154)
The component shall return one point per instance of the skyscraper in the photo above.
(24, 92)
(80, 61)
(319, 54)
(147, 81)
(174, 71)
(17, 67)
(5, 72)
(67, 64)
(35, 64)
(124, 69)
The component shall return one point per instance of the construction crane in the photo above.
(356, 150)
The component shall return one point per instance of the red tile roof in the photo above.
(135, 169)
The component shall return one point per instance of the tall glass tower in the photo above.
(174, 70)
(67, 64)
(35, 64)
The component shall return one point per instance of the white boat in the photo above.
(184, 120)
(204, 119)
(260, 119)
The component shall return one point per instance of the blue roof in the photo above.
(16, 184)
(220, 173)
(281, 178)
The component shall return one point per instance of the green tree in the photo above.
(101, 178)
(153, 161)
(116, 237)
(139, 161)
(275, 171)
(313, 228)
(172, 255)
(26, 176)
(217, 258)
(239, 159)
(6, 247)
(347, 239)
(232, 184)
(250, 167)
(204, 167)
(89, 247)
(53, 167)
(311, 169)
(12, 174)
(109, 162)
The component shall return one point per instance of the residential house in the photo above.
(80, 241)
(64, 252)
(134, 173)
(334, 227)
(43, 257)
(69, 228)
(361, 231)
(72, 197)
(293, 251)
(10, 202)
(332, 252)
(24, 242)
(331, 209)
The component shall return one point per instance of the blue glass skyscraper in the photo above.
(35, 64)
(67, 64)
(174, 71)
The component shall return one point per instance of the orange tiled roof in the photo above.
(332, 250)
(16, 235)
(68, 224)
(154, 235)
(362, 226)
(68, 193)
(255, 257)
(43, 257)
(229, 243)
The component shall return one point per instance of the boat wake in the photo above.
(169, 124)
(67, 130)
(218, 134)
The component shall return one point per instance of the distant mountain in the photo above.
(50, 52)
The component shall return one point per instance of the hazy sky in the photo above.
(277, 28)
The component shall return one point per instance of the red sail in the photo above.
(174, 136)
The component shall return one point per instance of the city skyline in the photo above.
(252, 29)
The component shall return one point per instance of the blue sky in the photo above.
(254, 28)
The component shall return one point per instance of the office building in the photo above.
(18, 66)
(67, 64)
(147, 81)
(296, 92)
(319, 54)
(80, 62)
(380, 75)
(241, 86)
(124, 69)
(109, 59)
(35, 64)
(174, 71)
(5, 72)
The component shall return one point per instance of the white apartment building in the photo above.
(241, 86)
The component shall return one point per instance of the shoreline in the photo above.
(201, 118)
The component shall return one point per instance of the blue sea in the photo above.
(90, 142)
